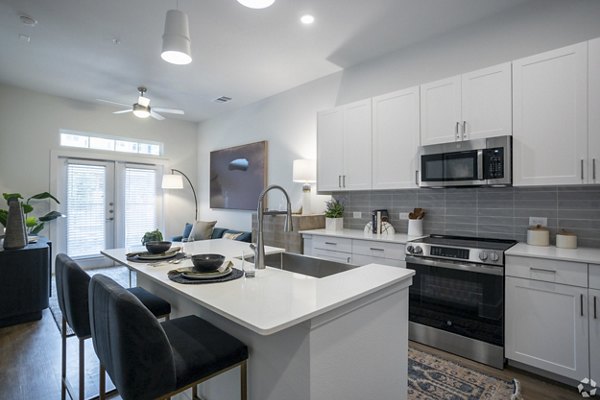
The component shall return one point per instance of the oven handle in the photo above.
(476, 268)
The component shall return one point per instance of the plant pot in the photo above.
(334, 224)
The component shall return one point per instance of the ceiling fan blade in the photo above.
(122, 111)
(113, 102)
(143, 101)
(156, 115)
(168, 110)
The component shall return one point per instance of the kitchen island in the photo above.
(344, 336)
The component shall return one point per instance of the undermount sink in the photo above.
(305, 265)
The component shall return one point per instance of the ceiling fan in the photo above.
(142, 109)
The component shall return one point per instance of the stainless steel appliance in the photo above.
(479, 162)
(456, 301)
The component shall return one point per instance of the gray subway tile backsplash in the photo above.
(501, 213)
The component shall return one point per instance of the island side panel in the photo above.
(360, 351)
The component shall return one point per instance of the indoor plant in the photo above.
(334, 213)
(33, 224)
(152, 236)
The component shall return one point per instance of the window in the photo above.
(107, 143)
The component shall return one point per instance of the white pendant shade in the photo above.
(176, 39)
(256, 3)
(304, 171)
(141, 111)
(172, 181)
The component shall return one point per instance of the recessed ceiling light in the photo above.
(256, 3)
(307, 19)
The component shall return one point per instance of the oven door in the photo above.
(462, 298)
(460, 168)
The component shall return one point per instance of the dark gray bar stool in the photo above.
(72, 284)
(147, 359)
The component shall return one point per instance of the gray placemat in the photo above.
(176, 276)
(135, 258)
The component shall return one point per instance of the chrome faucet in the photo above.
(259, 249)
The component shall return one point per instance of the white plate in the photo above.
(191, 273)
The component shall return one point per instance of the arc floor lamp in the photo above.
(172, 181)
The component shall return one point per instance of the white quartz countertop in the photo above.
(274, 300)
(359, 234)
(581, 254)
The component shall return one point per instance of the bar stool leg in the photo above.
(63, 367)
(102, 393)
(81, 369)
(244, 380)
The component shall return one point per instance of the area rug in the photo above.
(433, 378)
(119, 273)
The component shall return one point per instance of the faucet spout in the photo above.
(259, 251)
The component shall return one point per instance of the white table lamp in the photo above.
(305, 171)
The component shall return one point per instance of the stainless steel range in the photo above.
(457, 296)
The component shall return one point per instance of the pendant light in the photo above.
(256, 3)
(176, 40)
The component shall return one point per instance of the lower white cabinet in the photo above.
(547, 326)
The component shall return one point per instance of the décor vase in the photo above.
(334, 224)
(15, 236)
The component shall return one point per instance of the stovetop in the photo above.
(486, 251)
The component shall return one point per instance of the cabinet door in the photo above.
(440, 111)
(396, 139)
(545, 327)
(550, 117)
(487, 102)
(594, 111)
(594, 299)
(360, 260)
(330, 137)
(357, 146)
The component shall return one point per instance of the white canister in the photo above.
(415, 227)
(566, 240)
(538, 236)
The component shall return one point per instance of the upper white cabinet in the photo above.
(594, 112)
(469, 106)
(550, 136)
(344, 147)
(396, 139)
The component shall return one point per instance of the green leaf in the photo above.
(27, 208)
(153, 236)
(8, 196)
(52, 215)
(30, 222)
(37, 229)
(42, 196)
(3, 216)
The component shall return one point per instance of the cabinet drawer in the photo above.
(360, 259)
(332, 243)
(595, 276)
(542, 269)
(333, 256)
(378, 249)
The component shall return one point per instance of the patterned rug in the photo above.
(118, 273)
(433, 378)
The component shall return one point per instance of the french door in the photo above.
(108, 204)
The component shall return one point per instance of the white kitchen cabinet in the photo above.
(594, 318)
(344, 147)
(470, 106)
(594, 111)
(547, 326)
(550, 131)
(396, 139)
(331, 248)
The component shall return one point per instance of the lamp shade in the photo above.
(176, 39)
(256, 3)
(304, 171)
(172, 182)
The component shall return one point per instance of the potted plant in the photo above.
(33, 224)
(152, 236)
(334, 213)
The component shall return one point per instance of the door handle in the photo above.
(344, 180)
(581, 169)
(593, 168)
(331, 243)
(464, 124)
(417, 177)
(480, 165)
(110, 219)
(581, 303)
(339, 181)
(595, 315)
(456, 130)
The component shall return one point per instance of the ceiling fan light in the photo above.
(256, 3)
(141, 111)
(176, 39)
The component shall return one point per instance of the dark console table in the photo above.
(24, 282)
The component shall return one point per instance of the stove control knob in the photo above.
(483, 255)
(410, 249)
(494, 256)
(418, 250)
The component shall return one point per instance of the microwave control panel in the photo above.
(493, 163)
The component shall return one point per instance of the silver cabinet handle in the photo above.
(456, 130)
(581, 303)
(595, 316)
(464, 124)
(593, 168)
(581, 169)
(339, 181)
(348, 260)
(376, 249)
(331, 243)
(344, 180)
(553, 271)
(417, 177)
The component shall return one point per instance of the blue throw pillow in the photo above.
(187, 230)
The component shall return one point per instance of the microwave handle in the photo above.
(480, 165)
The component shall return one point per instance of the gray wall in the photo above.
(501, 213)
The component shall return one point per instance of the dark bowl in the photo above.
(157, 247)
(207, 262)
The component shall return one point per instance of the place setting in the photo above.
(207, 268)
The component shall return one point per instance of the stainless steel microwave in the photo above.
(479, 162)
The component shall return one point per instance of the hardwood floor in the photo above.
(30, 366)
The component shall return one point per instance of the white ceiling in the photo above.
(237, 52)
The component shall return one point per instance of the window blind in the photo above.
(140, 204)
